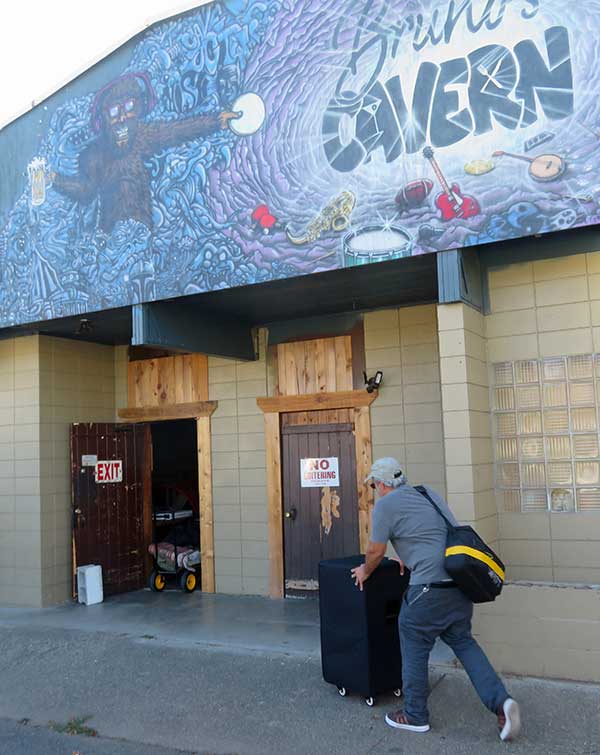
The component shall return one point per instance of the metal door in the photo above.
(319, 522)
(111, 520)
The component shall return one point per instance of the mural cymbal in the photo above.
(252, 109)
(479, 167)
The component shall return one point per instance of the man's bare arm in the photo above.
(373, 557)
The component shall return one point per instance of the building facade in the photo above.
(202, 264)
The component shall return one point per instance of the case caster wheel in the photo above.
(342, 691)
(187, 581)
(398, 692)
(157, 582)
(370, 701)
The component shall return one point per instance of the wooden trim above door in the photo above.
(313, 401)
(168, 411)
(272, 407)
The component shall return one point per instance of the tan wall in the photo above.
(239, 475)
(545, 309)
(406, 418)
(20, 466)
(543, 630)
(77, 384)
(467, 432)
(47, 383)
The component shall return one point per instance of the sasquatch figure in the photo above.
(113, 167)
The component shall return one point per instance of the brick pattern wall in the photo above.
(467, 433)
(22, 458)
(546, 309)
(239, 475)
(406, 418)
(543, 630)
(45, 385)
(77, 384)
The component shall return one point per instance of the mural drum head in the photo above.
(251, 110)
(376, 244)
(253, 140)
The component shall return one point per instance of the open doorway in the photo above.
(135, 486)
(175, 542)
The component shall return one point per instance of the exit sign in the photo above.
(109, 471)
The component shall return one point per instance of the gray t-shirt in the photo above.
(416, 531)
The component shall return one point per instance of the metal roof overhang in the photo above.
(207, 321)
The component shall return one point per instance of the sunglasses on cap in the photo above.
(374, 485)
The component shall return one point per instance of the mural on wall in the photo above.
(252, 140)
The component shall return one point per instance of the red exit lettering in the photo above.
(109, 471)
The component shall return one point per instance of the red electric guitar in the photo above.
(451, 203)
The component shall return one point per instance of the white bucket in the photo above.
(89, 584)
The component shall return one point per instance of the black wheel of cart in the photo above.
(157, 581)
(370, 701)
(187, 581)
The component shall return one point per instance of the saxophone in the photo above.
(335, 216)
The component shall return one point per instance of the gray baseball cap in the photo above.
(387, 470)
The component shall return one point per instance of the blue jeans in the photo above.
(429, 613)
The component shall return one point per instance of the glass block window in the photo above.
(547, 434)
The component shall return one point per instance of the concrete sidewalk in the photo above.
(233, 623)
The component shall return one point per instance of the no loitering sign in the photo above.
(319, 473)
(109, 471)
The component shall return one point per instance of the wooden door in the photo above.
(112, 520)
(319, 522)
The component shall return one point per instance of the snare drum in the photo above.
(373, 243)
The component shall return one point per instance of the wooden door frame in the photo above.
(201, 411)
(273, 407)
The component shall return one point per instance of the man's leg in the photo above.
(416, 641)
(484, 678)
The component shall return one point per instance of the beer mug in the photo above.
(37, 180)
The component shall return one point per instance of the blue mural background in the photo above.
(335, 176)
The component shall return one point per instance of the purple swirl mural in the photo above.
(254, 140)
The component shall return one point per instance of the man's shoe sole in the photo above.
(407, 727)
(512, 727)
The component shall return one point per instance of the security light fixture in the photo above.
(374, 382)
(85, 327)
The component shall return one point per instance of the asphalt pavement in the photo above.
(142, 694)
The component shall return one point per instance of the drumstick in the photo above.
(324, 257)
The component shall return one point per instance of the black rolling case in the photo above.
(360, 647)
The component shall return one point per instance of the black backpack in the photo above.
(473, 565)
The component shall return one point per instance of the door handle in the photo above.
(291, 514)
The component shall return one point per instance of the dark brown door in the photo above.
(111, 519)
(319, 522)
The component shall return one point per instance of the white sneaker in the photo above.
(398, 720)
(509, 720)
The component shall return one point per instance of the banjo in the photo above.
(542, 167)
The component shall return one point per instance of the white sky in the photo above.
(45, 43)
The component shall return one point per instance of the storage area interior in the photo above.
(175, 545)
